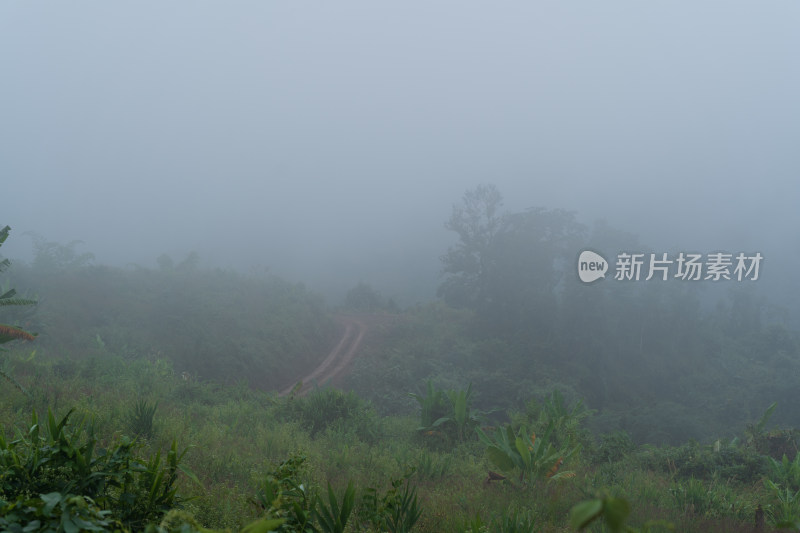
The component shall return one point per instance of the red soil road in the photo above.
(337, 360)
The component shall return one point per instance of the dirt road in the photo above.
(337, 360)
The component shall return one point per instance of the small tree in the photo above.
(9, 332)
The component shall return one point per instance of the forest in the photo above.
(516, 399)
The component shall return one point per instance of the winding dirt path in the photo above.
(336, 361)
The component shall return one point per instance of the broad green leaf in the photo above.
(499, 458)
(50, 501)
(441, 421)
(616, 510)
(509, 436)
(524, 452)
(68, 525)
(584, 513)
(191, 475)
(482, 436)
(460, 405)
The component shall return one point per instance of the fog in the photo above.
(329, 142)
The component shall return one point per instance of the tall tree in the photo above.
(529, 257)
(476, 221)
(508, 266)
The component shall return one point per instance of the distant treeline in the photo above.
(646, 354)
(212, 324)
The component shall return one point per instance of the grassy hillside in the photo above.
(656, 398)
(495, 437)
(238, 437)
(212, 324)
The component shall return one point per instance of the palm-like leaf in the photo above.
(8, 332)
(333, 517)
(532, 456)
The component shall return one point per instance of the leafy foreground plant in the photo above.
(55, 512)
(8, 332)
(432, 406)
(396, 511)
(449, 411)
(786, 511)
(614, 513)
(532, 457)
(284, 496)
(785, 472)
(333, 517)
(59, 465)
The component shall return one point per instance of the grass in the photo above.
(238, 435)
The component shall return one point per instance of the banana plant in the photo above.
(450, 412)
(756, 433)
(8, 332)
(566, 420)
(431, 406)
(461, 417)
(787, 510)
(532, 456)
(785, 472)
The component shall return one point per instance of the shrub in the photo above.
(140, 419)
(396, 511)
(739, 463)
(285, 496)
(330, 408)
(524, 452)
(447, 413)
(613, 447)
(59, 465)
(785, 472)
(55, 512)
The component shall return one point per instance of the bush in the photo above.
(54, 512)
(58, 465)
(330, 408)
(613, 447)
(140, 419)
(739, 463)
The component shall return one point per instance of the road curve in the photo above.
(336, 361)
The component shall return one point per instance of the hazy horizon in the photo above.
(329, 144)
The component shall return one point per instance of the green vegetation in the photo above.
(60, 472)
(140, 420)
(521, 402)
(211, 324)
(522, 451)
(255, 461)
(8, 297)
(447, 414)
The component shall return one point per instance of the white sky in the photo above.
(331, 139)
